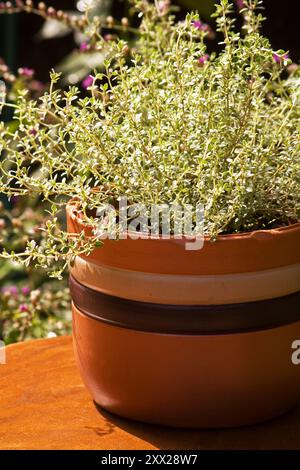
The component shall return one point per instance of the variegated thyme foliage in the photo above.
(165, 123)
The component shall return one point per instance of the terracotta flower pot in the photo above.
(189, 338)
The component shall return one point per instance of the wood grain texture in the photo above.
(44, 405)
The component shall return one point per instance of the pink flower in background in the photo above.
(25, 290)
(26, 72)
(202, 59)
(197, 24)
(23, 308)
(278, 59)
(204, 27)
(240, 4)
(12, 290)
(88, 81)
(83, 46)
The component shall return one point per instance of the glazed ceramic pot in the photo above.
(189, 338)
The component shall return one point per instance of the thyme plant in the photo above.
(164, 123)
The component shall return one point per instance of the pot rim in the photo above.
(73, 211)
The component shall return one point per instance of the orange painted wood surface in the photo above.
(44, 405)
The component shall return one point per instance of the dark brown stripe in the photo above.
(191, 319)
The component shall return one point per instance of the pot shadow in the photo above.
(281, 433)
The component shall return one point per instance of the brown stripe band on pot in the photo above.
(190, 319)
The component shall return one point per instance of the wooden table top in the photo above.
(44, 405)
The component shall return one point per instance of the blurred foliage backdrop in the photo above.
(22, 44)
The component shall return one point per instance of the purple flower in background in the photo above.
(240, 4)
(12, 290)
(26, 72)
(83, 46)
(88, 81)
(25, 290)
(23, 308)
(204, 27)
(33, 132)
(202, 59)
(14, 199)
(279, 59)
(197, 24)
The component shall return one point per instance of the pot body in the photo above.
(177, 380)
(189, 339)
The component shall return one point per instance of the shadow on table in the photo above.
(279, 433)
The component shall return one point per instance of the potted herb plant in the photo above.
(166, 332)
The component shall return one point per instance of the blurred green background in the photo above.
(22, 44)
